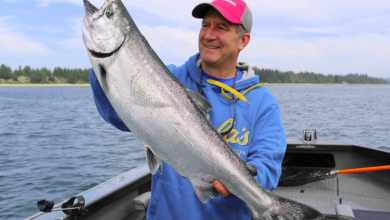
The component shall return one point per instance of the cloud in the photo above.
(72, 44)
(375, 24)
(287, 19)
(364, 53)
(43, 5)
(173, 45)
(168, 10)
(75, 42)
(334, 17)
(13, 1)
(48, 2)
(318, 30)
(161, 10)
(322, 36)
(76, 26)
(309, 11)
(13, 43)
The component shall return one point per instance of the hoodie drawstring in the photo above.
(235, 92)
(230, 89)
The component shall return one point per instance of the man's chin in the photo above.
(209, 62)
(208, 58)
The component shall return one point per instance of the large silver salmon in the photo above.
(169, 119)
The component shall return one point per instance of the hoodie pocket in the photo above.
(174, 202)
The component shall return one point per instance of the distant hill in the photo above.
(388, 79)
(276, 76)
(43, 75)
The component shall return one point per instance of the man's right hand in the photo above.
(222, 189)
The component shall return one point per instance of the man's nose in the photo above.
(210, 34)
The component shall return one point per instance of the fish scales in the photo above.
(167, 118)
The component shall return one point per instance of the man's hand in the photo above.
(220, 188)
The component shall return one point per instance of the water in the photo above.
(54, 144)
(348, 114)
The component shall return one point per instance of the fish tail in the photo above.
(286, 209)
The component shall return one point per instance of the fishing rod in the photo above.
(360, 170)
(298, 176)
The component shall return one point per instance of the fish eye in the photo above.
(109, 11)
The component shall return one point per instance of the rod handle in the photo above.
(365, 169)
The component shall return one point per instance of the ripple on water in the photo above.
(55, 145)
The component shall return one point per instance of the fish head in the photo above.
(105, 29)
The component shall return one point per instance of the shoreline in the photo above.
(313, 84)
(269, 84)
(45, 85)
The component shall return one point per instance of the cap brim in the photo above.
(200, 10)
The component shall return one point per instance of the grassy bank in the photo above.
(87, 84)
(45, 85)
(324, 84)
(24, 81)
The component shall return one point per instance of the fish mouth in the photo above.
(105, 55)
(90, 7)
(100, 55)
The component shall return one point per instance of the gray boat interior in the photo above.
(363, 196)
(366, 194)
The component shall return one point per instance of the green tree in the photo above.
(38, 77)
(58, 72)
(27, 71)
(52, 79)
(5, 72)
(17, 73)
(72, 77)
(276, 76)
(46, 71)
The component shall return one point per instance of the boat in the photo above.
(358, 196)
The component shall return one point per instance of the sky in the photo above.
(328, 37)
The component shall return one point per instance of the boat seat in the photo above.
(141, 204)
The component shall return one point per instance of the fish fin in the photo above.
(160, 168)
(204, 191)
(286, 209)
(154, 162)
(252, 169)
(201, 102)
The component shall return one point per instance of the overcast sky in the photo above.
(329, 37)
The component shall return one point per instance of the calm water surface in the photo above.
(54, 144)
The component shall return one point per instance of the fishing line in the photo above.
(298, 176)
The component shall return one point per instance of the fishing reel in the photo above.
(73, 207)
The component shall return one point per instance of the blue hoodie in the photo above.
(257, 136)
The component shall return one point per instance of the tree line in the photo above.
(276, 76)
(67, 75)
(44, 75)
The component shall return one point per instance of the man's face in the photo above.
(219, 40)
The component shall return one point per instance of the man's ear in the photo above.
(244, 41)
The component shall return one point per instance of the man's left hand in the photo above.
(221, 188)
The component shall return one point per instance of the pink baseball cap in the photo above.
(235, 11)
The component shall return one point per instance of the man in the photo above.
(253, 130)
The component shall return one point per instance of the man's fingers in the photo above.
(220, 188)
